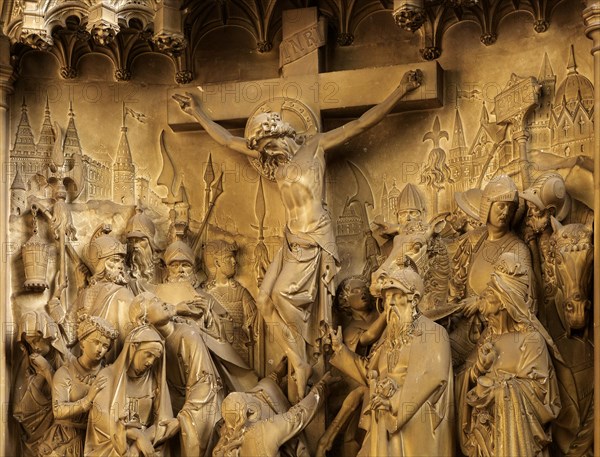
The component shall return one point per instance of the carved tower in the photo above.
(47, 138)
(124, 172)
(540, 124)
(384, 202)
(572, 114)
(18, 195)
(23, 154)
(460, 162)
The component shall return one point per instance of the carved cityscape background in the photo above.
(92, 108)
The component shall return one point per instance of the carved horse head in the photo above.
(413, 243)
(573, 258)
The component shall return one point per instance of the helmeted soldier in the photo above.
(234, 297)
(202, 309)
(479, 249)
(142, 259)
(107, 296)
(411, 207)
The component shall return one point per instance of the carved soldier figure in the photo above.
(477, 253)
(410, 414)
(132, 415)
(108, 296)
(44, 352)
(194, 383)
(296, 311)
(411, 207)
(181, 288)
(203, 310)
(234, 297)
(508, 393)
(75, 386)
(142, 259)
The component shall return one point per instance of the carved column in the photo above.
(6, 89)
(591, 17)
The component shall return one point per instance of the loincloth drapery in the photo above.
(300, 282)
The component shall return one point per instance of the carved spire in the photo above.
(485, 116)
(18, 183)
(47, 136)
(123, 158)
(124, 171)
(571, 65)
(72, 146)
(546, 71)
(459, 145)
(24, 141)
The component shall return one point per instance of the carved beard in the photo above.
(182, 277)
(116, 276)
(537, 223)
(270, 162)
(141, 263)
(398, 324)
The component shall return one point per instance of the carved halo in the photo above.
(294, 112)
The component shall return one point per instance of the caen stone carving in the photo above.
(235, 298)
(477, 253)
(261, 422)
(199, 308)
(107, 296)
(133, 413)
(194, 382)
(454, 243)
(75, 385)
(411, 362)
(43, 352)
(508, 396)
(362, 326)
(310, 240)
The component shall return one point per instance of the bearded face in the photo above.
(398, 306)
(114, 270)
(180, 271)
(140, 258)
(537, 220)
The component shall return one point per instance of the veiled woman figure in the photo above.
(508, 393)
(44, 352)
(74, 387)
(132, 415)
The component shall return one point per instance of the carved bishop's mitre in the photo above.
(103, 245)
(35, 260)
(499, 189)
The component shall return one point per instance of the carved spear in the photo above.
(261, 254)
(215, 191)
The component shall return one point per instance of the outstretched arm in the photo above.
(191, 105)
(410, 81)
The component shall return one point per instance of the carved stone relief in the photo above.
(204, 263)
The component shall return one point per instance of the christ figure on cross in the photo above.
(296, 293)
